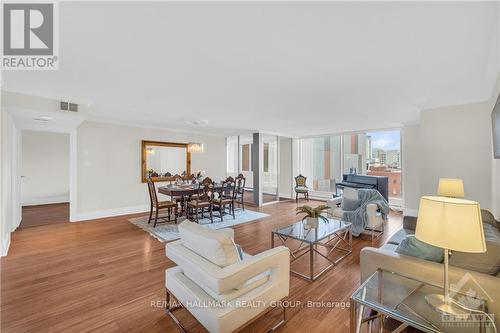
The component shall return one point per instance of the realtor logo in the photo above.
(29, 36)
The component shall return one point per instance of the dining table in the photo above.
(185, 191)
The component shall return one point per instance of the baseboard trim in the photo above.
(98, 214)
(410, 212)
(45, 201)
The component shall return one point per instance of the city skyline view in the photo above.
(386, 140)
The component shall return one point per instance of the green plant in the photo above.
(312, 212)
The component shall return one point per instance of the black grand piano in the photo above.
(379, 183)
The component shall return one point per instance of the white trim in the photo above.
(34, 201)
(286, 196)
(73, 175)
(111, 212)
(385, 129)
(17, 213)
(410, 212)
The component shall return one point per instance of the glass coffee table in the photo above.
(330, 234)
(392, 295)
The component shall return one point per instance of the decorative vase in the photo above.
(311, 222)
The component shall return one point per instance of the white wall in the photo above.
(496, 188)
(45, 167)
(456, 143)
(109, 166)
(452, 142)
(495, 166)
(410, 142)
(285, 173)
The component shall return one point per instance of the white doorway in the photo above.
(45, 178)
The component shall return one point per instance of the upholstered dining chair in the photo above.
(226, 197)
(156, 205)
(202, 201)
(240, 190)
(301, 187)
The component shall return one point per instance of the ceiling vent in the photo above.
(67, 106)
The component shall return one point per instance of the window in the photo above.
(246, 157)
(266, 157)
(355, 153)
(321, 163)
(384, 159)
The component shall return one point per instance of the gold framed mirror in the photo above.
(164, 160)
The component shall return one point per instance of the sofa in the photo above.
(484, 279)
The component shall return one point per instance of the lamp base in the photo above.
(438, 303)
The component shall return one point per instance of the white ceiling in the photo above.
(296, 68)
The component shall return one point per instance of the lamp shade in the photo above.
(451, 223)
(451, 187)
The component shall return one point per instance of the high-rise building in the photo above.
(379, 156)
(369, 148)
(393, 158)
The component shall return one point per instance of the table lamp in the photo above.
(452, 224)
(451, 187)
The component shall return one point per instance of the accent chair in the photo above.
(301, 187)
(215, 281)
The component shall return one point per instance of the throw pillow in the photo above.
(411, 246)
(487, 217)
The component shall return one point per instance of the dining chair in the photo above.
(156, 205)
(202, 200)
(225, 197)
(240, 190)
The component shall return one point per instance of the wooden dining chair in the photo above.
(156, 205)
(226, 197)
(240, 190)
(202, 201)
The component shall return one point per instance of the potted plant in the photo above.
(312, 214)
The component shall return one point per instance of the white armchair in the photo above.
(375, 222)
(217, 286)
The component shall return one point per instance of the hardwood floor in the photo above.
(108, 275)
(45, 214)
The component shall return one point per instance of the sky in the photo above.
(387, 140)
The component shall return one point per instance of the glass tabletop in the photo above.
(403, 299)
(312, 232)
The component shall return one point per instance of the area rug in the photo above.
(167, 231)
